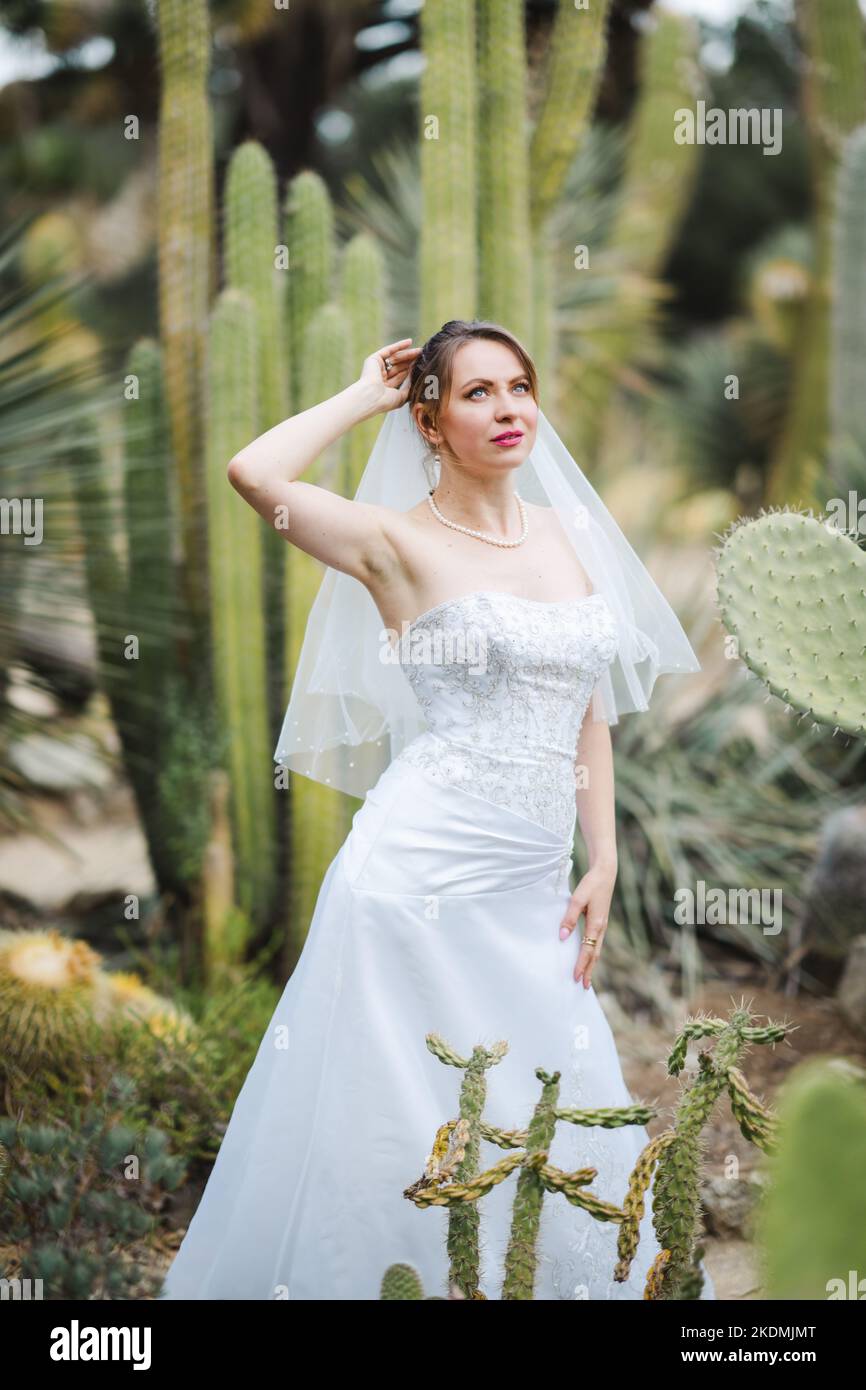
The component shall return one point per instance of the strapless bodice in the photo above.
(503, 683)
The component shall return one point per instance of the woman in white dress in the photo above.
(447, 910)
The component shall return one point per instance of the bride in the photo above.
(462, 663)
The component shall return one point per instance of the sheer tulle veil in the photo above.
(351, 708)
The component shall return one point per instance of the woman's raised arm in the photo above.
(350, 536)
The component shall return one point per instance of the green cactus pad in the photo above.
(791, 590)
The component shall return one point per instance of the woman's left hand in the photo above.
(591, 897)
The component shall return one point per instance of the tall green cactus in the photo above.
(152, 602)
(448, 123)
(574, 65)
(362, 297)
(790, 589)
(187, 262)
(834, 103)
(237, 608)
(847, 462)
(504, 241)
(251, 240)
(572, 71)
(254, 264)
(654, 190)
(317, 812)
(309, 217)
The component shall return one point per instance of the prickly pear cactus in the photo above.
(791, 590)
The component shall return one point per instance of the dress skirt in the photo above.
(439, 914)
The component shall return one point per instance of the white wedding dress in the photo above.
(440, 914)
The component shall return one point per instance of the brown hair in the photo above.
(436, 359)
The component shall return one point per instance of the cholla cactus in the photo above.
(677, 1154)
(454, 1159)
(451, 1178)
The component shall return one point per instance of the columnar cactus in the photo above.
(187, 261)
(448, 124)
(504, 246)
(237, 602)
(317, 813)
(309, 217)
(834, 104)
(847, 462)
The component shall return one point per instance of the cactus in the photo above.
(834, 102)
(504, 244)
(70, 1211)
(401, 1281)
(148, 597)
(571, 74)
(455, 1155)
(317, 811)
(187, 261)
(773, 573)
(252, 252)
(847, 449)
(362, 298)
(53, 989)
(312, 256)
(250, 214)
(448, 119)
(237, 601)
(575, 62)
(812, 1221)
(451, 1178)
(655, 186)
(676, 1155)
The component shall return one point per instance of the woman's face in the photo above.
(490, 395)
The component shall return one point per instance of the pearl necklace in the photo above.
(482, 535)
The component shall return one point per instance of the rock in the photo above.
(59, 765)
(851, 993)
(836, 887)
(729, 1203)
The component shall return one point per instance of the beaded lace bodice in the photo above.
(503, 683)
